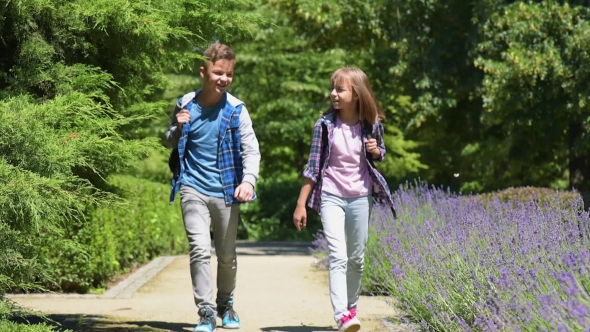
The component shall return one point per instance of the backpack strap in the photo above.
(324, 146)
(174, 158)
(368, 135)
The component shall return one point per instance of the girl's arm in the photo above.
(379, 155)
(310, 174)
(312, 169)
(305, 191)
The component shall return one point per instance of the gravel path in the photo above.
(278, 290)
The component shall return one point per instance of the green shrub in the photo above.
(155, 167)
(7, 326)
(116, 239)
(527, 194)
(270, 217)
(51, 171)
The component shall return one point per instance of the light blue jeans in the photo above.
(346, 228)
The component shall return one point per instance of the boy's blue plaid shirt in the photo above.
(314, 171)
(229, 156)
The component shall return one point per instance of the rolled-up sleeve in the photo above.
(380, 143)
(312, 169)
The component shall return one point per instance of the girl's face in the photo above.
(342, 95)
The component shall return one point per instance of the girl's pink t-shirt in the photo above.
(347, 174)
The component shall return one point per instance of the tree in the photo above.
(450, 57)
(79, 80)
(535, 89)
(286, 81)
(417, 49)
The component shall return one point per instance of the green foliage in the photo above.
(535, 61)
(497, 87)
(6, 326)
(116, 239)
(133, 41)
(80, 87)
(270, 217)
(43, 146)
(285, 83)
(154, 167)
(530, 194)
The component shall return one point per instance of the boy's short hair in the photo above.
(218, 51)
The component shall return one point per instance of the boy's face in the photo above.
(217, 77)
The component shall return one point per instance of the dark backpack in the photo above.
(174, 163)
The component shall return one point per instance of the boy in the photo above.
(219, 165)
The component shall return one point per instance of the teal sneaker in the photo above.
(208, 322)
(229, 318)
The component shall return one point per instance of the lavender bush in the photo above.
(457, 264)
(320, 250)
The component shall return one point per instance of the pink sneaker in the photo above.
(352, 312)
(349, 323)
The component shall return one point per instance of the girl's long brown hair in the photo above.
(368, 106)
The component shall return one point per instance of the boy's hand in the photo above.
(300, 217)
(182, 117)
(244, 192)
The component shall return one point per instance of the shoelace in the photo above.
(207, 319)
(231, 313)
(346, 318)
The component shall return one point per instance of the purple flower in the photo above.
(455, 263)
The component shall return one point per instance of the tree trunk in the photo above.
(578, 163)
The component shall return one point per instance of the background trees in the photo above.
(497, 87)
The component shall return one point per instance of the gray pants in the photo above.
(198, 212)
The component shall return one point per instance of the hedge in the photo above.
(7, 326)
(112, 241)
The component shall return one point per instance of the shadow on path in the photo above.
(301, 328)
(273, 248)
(86, 323)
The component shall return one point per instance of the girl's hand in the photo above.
(371, 146)
(300, 217)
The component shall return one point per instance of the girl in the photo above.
(343, 181)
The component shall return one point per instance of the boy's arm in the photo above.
(172, 134)
(250, 149)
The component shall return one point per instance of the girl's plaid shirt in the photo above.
(314, 171)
